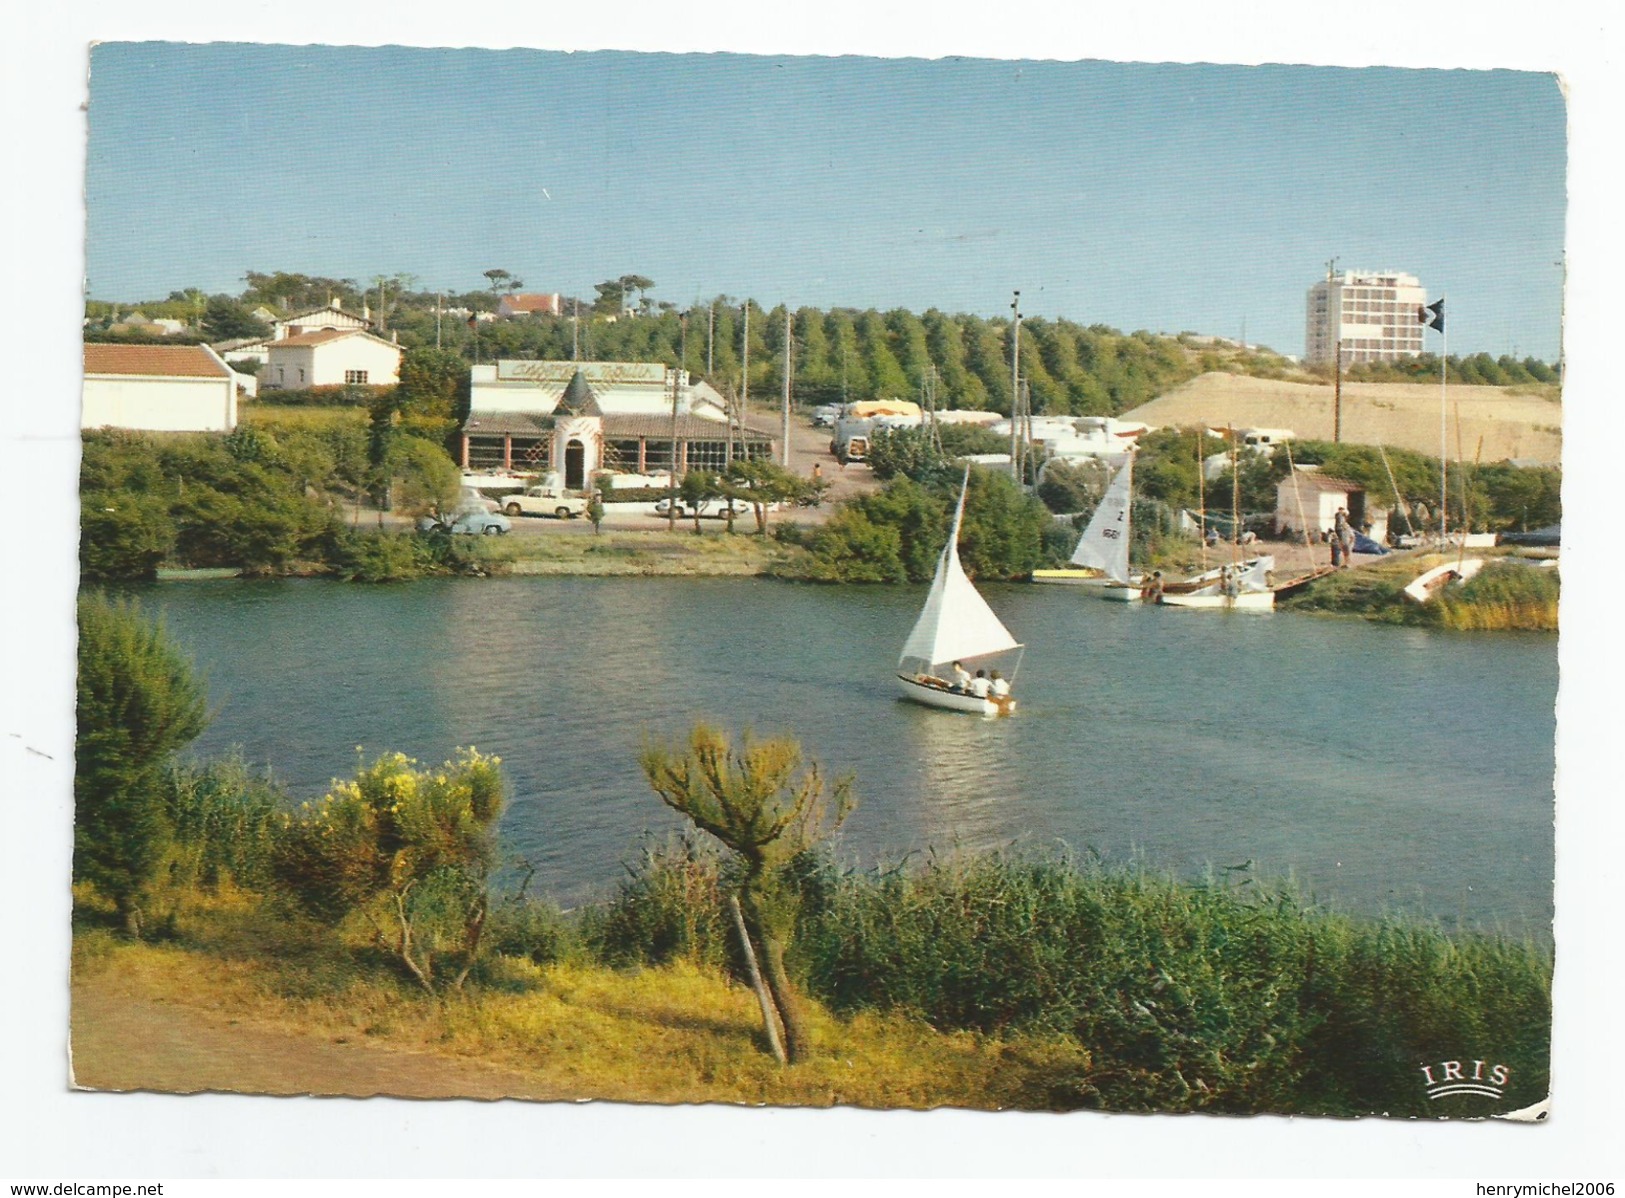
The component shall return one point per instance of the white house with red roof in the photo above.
(531, 304)
(159, 388)
(330, 358)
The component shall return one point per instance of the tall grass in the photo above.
(1502, 596)
(1220, 995)
(669, 907)
(222, 820)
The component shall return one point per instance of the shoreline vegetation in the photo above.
(296, 492)
(1001, 981)
(741, 960)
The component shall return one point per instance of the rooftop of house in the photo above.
(1313, 480)
(530, 302)
(325, 336)
(166, 361)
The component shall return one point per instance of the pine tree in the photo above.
(138, 703)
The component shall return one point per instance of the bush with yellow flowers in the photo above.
(407, 850)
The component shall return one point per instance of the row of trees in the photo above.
(254, 500)
(837, 354)
(1478, 369)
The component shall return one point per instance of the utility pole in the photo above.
(1335, 321)
(671, 474)
(744, 368)
(1015, 388)
(1337, 393)
(788, 361)
(439, 302)
(575, 333)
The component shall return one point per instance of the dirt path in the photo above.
(124, 1039)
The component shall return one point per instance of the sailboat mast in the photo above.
(1235, 499)
(1015, 388)
(1201, 494)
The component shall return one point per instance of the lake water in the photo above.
(1383, 768)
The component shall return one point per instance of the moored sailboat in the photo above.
(957, 628)
(1100, 559)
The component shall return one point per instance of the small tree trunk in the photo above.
(796, 1033)
(404, 947)
(471, 940)
(769, 1021)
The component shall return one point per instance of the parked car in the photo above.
(470, 500)
(475, 523)
(718, 508)
(825, 415)
(546, 500)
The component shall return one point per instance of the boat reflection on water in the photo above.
(965, 778)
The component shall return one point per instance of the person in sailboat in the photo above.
(998, 687)
(981, 684)
(961, 677)
(1151, 592)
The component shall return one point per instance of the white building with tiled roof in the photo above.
(582, 417)
(331, 358)
(158, 388)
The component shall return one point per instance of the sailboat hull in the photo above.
(1246, 601)
(1091, 582)
(936, 696)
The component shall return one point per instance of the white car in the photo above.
(545, 501)
(718, 508)
(475, 523)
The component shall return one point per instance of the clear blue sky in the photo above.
(1165, 197)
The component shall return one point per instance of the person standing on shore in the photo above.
(1343, 531)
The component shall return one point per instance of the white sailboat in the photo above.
(1246, 586)
(1242, 585)
(956, 627)
(1100, 560)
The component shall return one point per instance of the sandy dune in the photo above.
(1514, 424)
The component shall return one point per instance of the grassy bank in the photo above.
(1507, 595)
(672, 1033)
(680, 553)
(992, 981)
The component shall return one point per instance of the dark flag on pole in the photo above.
(1431, 315)
(474, 321)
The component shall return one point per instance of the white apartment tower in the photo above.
(1372, 312)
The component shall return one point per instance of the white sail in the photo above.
(1104, 544)
(956, 622)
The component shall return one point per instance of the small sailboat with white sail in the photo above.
(957, 635)
(1100, 559)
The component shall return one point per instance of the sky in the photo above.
(1168, 197)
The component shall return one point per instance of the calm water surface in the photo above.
(1383, 768)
